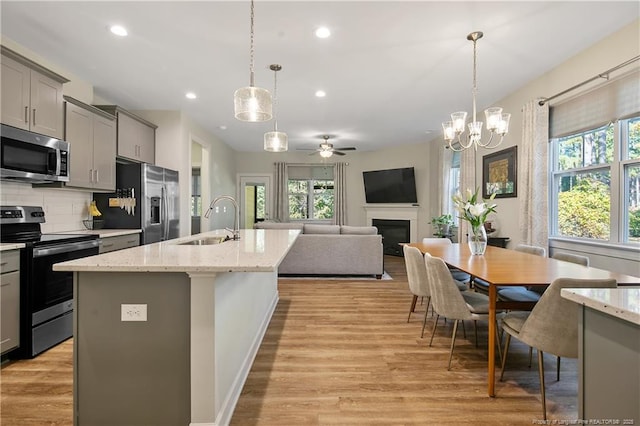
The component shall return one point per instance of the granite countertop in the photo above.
(11, 246)
(102, 233)
(258, 250)
(621, 302)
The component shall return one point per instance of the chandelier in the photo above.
(497, 122)
(252, 103)
(275, 141)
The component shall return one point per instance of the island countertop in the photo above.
(621, 302)
(258, 250)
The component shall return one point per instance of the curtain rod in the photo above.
(604, 75)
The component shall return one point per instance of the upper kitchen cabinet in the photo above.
(92, 135)
(31, 96)
(136, 136)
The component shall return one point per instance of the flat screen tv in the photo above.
(390, 186)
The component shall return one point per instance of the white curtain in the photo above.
(340, 185)
(281, 197)
(444, 181)
(533, 175)
(467, 181)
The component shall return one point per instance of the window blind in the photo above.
(310, 172)
(614, 100)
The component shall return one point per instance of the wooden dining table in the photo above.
(504, 267)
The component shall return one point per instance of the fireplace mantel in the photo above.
(395, 212)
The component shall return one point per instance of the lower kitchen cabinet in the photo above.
(10, 301)
(119, 242)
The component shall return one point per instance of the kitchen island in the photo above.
(166, 333)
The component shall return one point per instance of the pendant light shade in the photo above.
(275, 141)
(252, 103)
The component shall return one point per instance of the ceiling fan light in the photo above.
(326, 154)
(252, 104)
(276, 141)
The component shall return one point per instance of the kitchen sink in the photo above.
(206, 241)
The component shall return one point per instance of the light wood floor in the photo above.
(340, 353)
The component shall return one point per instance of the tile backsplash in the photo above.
(64, 209)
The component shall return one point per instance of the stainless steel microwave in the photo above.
(31, 157)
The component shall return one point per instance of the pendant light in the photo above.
(252, 103)
(497, 122)
(275, 141)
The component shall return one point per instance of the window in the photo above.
(311, 199)
(596, 183)
(454, 184)
(311, 192)
(595, 163)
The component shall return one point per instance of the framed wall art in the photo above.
(500, 174)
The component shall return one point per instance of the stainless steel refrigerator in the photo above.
(156, 209)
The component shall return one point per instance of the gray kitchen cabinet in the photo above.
(136, 136)
(119, 242)
(31, 96)
(92, 135)
(10, 300)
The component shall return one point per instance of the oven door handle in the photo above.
(66, 248)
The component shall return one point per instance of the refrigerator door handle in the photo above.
(165, 213)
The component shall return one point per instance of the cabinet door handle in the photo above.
(90, 175)
(97, 176)
(26, 114)
(34, 117)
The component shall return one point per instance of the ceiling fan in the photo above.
(326, 149)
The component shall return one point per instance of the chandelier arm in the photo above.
(469, 140)
(488, 144)
(453, 148)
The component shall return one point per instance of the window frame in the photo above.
(310, 200)
(619, 203)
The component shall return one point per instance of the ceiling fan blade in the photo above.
(314, 153)
(350, 148)
(338, 152)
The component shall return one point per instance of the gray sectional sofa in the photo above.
(331, 250)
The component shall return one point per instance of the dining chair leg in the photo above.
(464, 331)
(413, 306)
(558, 369)
(453, 341)
(504, 355)
(541, 373)
(424, 321)
(530, 355)
(499, 341)
(475, 330)
(433, 332)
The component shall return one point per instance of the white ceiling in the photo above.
(392, 70)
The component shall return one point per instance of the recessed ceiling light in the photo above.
(190, 95)
(323, 32)
(321, 94)
(119, 30)
(222, 127)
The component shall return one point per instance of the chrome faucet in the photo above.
(236, 224)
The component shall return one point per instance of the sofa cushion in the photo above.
(358, 230)
(310, 228)
(278, 225)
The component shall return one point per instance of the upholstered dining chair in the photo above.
(458, 275)
(552, 325)
(482, 286)
(451, 303)
(533, 293)
(418, 280)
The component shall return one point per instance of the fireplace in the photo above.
(393, 233)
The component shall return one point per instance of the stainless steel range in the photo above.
(46, 297)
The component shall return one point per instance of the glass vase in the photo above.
(477, 240)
